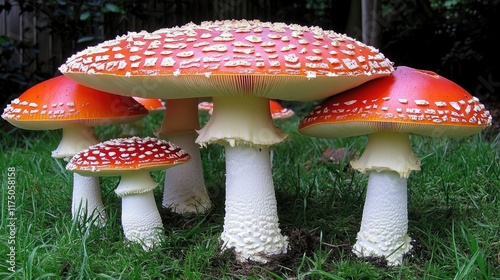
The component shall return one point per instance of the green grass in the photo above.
(453, 216)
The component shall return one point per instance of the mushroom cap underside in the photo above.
(277, 111)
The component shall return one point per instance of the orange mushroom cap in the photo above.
(118, 156)
(410, 101)
(278, 111)
(219, 58)
(152, 104)
(60, 102)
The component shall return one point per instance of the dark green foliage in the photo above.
(455, 38)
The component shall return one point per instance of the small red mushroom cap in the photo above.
(119, 156)
(409, 101)
(60, 102)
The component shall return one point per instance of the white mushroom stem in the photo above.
(241, 120)
(141, 220)
(86, 198)
(74, 139)
(185, 190)
(388, 151)
(251, 224)
(384, 224)
(86, 202)
(383, 233)
(243, 125)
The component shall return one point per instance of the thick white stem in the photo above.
(184, 189)
(74, 139)
(141, 220)
(241, 120)
(87, 203)
(384, 223)
(388, 151)
(251, 221)
(134, 182)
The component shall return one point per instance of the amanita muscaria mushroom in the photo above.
(61, 103)
(241, 64)
(132, 159)
(388, 110)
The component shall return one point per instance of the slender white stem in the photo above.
(184, 188)
(75, 139)
(141, 220)
(384, 223)
(87, 203)
(251, 222)
(86, 200)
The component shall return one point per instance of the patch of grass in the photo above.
(453, 215)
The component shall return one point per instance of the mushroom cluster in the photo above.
(240, 64)
(244, 66)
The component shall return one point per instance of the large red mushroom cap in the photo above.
(408, 101)
(231, 57)
(122, 155)
(61, 102)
